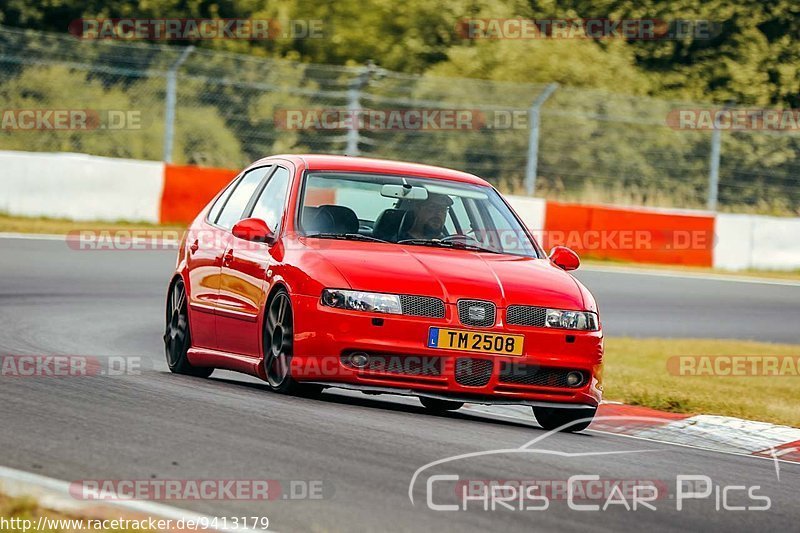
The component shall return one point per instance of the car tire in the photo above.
(278, 348)
(555, 417)
(177, 337)
(440, 406)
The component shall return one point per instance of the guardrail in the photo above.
(214, 108)
(91, 188)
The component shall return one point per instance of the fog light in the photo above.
(574, 379)
(359, 359)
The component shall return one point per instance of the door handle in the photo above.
(195, 246)
(227, 258)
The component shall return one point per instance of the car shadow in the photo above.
(373, 402)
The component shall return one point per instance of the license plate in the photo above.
(475, 341)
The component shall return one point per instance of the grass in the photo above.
(28, 509)
(635, 372)
(58, 226)
(635, 369)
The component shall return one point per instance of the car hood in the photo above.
(453, 274)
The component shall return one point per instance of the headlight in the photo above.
(374, 302)
(557, 318)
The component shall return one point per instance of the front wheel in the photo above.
(555, 417)
(278, 348)
(177, 337)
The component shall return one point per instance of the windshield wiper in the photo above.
(422, 242)
(448, 244)
(346, 237)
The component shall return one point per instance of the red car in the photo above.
(322, 271)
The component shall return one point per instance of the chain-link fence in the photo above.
(221, 109)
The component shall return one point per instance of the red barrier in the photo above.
(631, 234)
(595, 232)
(187, 189)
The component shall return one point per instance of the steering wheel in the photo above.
(461, 237)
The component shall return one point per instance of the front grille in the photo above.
(410, 365)
(422, 306)
(521, 374)
(526, 315)
(473, 372)
(476, 313)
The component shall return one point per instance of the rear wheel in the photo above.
(278, 348)
(556, 417)
(439, 406)
(177, 338)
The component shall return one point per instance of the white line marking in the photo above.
(691, 275)
(161, 244)
(490, 413)
(694, 447)
(33, 236)
(785, 451)
(54, 494)
(605, 270)
(648, 439)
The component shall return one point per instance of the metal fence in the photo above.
(193, 105)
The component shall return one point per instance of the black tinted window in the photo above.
(213, 213)
(238, 199)
(269, 206)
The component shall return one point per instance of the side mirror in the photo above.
(253, 229)
(564, 258)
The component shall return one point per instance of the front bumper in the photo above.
(324, 337)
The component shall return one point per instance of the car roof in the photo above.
(386, 166)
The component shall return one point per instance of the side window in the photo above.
(458, 215)
(213, 213)
(502, 233)
(269, 206)
(238, 199)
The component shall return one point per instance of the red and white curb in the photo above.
(718, 433)
(54, 495)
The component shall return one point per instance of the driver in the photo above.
(429, 217)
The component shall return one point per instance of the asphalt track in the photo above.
(364, 450)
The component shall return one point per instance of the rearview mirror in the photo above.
(253, 229)
(564, 258)
(405, 192)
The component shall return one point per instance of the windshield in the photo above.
(410, 211)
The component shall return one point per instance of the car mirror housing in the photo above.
(404, 192)
(253, 229)
(564, 258)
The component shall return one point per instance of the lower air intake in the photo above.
(473, 372)
(520, 374)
